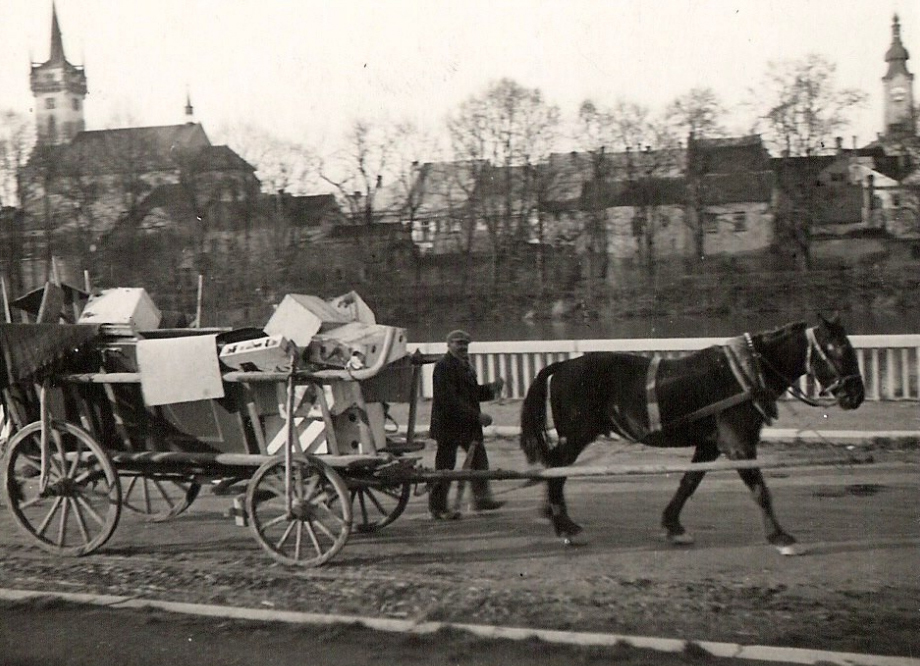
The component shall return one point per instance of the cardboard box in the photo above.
(337, 346)
(124, 310)
(353, 308)
(299, 317)
(269, 354)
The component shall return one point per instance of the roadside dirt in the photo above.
(856, 590)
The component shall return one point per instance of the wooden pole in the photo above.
(55, 273)
(574, 471)
(87, 285)
(6, 301)
(198, 305)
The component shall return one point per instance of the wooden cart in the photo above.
(86, 446)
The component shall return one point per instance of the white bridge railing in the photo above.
(890, 364)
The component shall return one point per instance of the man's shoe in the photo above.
(445, 515)
(487, 505)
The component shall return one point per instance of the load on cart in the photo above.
(115, 411)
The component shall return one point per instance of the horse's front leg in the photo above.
(670, 518)
(738, 434)
(784, 542)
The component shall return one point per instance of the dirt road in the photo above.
(857, 590)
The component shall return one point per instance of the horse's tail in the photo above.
(534, 441)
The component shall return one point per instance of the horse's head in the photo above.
(832, 361)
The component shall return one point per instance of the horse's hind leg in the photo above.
(670, 518)
(564, 454)
(784, 542)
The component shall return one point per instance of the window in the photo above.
(895, 200)
(49, 102)
(710, 223)
(76, 104)
(739, 220)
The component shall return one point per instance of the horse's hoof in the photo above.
(679, 539)
(568, 540)
(791, 550)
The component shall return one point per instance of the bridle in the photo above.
(839, 378)
(814, 350)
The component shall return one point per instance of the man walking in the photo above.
(457, 422)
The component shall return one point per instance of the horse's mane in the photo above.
(781, 332)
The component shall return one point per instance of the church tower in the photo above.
(59, 89)
(899, 88)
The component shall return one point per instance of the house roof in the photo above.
(565, 174)
(649, 191)
(801, 171)
(728, 155)
(496, 182)
(311, 210)
(216, 158)
(446, 187)
(138, 149)
(741, 187)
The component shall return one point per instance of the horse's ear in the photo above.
(833, 321)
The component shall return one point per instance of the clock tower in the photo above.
(59, 88)
(899, 88)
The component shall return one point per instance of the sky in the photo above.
(304, 69)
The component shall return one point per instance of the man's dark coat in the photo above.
(455, 407)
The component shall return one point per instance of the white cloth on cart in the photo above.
(179, 369)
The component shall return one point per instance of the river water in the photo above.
(856, 323)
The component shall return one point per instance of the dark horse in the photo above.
(716, 400)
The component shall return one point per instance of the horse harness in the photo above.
(746, 364)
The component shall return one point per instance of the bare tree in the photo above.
(507, 130)
(699, 112)
(648, 156)
(800, 108)
(800, 112)
(407, 190)
(281, 165)
(17, 139)
(695, 115)
(358, 171)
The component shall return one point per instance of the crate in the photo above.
(272, 353)
(122, 311)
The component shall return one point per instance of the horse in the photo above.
(716, 399)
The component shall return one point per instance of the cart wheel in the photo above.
(159, 499)
(78, 509)
(319, 522)
(376, 505)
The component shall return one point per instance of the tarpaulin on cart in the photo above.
(30, 348)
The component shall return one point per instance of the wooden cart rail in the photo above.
(341, 463)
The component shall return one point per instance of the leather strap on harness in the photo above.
(651, 395)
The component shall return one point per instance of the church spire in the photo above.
(59, 89)
(898, 84)
(897, 56)
(189, 111)
(57, 43)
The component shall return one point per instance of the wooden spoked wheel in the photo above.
(319, 520)
(158, 498)
(376, 504)
(77, 508)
